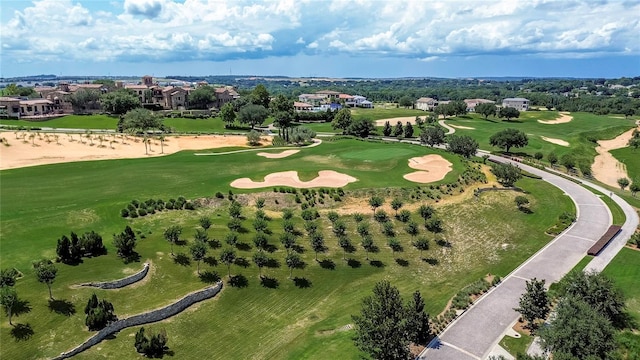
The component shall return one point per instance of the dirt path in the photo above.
(606, 168)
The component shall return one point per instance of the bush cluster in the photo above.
(143, 208)
(71, 250)
(99, 313)
(153, 346)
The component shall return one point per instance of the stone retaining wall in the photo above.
(144, 318)
(116, 284)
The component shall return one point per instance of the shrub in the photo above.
(142, 212)
(219, 195)
(124, 213)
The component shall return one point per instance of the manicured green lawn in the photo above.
(379, 113)
(70, 122)
(516, 346)
(631, 158)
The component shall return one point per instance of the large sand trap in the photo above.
(278, 155)
(394, 121)
(68, 148)
(563, 118)
(462, 127)
(325, 178)
(555, 141)
(607, 168)
(433, 168)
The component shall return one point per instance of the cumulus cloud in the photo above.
(426, 31)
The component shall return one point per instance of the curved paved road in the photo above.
(450, 130)
(475, 333)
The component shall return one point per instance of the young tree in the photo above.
(367, 244)
(8, 300)
(228, 256)
(227, 114)
(422, 243)
(261, 260)
(553, 159)
(8, 277)
(46, 273)
(538, 156)
(235, 210)
(509, 138)
(363, 229)
(432, 136)
(283, 113)
(417, 320)
(426, 212)
(509, 113)
(462, 145)
(375, 202)
(534, 304)
(317, 243)
(125, 242)
(521, 202)
(386, 130)
(394, 244)
(260, 240)
(205, 222)
(231, 238)
(293, 261)
(172, 235)
(142, 120)
(412, 229)
(346, 245)
(396, 204)
(152, 347)
(198, 251)
(288, 241)
(623, 183)
(486, 109)
(507, 174)
(382, 327)
(634, 188)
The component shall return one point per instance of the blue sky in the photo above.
(332, 38)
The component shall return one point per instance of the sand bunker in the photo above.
(326, 178)
(607, 168)
(555, 141)
(44, 148)
(563, 118)
(433, 168)
(394, 121)
(462, 127)
(278, 155)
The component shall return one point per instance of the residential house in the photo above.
(9, 107)
(520, 104)
(225, 95)
(301, 106)
(472, 103)
(313, 99)
(329, 94)
(426, 104)
(174, 97)
(35, 107)
(140, 90)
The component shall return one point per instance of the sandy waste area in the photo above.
(31, 149)
(555, 141)
(279, 155)
(393, 121)
(432, 168)
(325, 178)
(564, 117)
(607, 168)
(462, 127)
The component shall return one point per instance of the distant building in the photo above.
(472, 103)
(426, 104)
(301, 106)
(9, 107)
(520, 104)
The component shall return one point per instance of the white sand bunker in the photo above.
(462, 127)
(393, 121)
(326, 178)
(563, 118)
(278, 155)
(555, 141)
(607, 168)
(433, 168)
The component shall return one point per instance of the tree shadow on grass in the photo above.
(214, 244)
(376, 263)
(209, 277)
(301, 282)
(133, 257)
(182, 259)
(525, 210)
(443, 243)
(272, 263)
(327, 264)
(298, 248)
(62, 307)
(21, 307)
(242, 262)
(242, 246)
(181, 242)
(22, 332)
(431, 261)
(402, 262)
(270, 248)
(269, 282)
(354, 263)
(239, 281)
(210, 260)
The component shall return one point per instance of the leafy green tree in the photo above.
(142, 120)
(382, 327)
(99, 313)
(342, 120)
(394, 244)
(235, 210)
(421, 243)
(412, 229)
(386, 130)
(8, 277)
(260, 96)
(521, 201)
(459, 107)
(417, 320)
(426, 212)
(260, 240)
(507, 174)
(231, 238)
(408, 130)
(462, 145)
(509, 113)
(346, 245)
(120, 101)
(375, 202)
(252, 115)
(125, 243)
(45, 273)
(205, 222)
(405, 101)
(288, 241)
(634, 188)
(486, 109)
(261, 260)
(172, 235)
(154, 346)
(568, 161)
(198, 251)
(339, 228)
(361, 128)
(534, 304)
(293, 261)
(396, 204)
(201, 236)
(228, 114)
(83, 100)
(283, 113)
(367, 244)
(260, 224)
(634, 143)
(538, 156)
(434, 225)
(553, 159)
(432, 136)
(363, 229)
(578, 331)
(398, 130)
(8, 300)
(301, 135)
(623, 183)
(202, 97)
(509, 138)
(317, 243)
(228, 256)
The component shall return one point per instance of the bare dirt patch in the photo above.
(564, 117)
(53, 148)
(555, 141)
(393, 121)
(325, 178)
(278, 155)
(432, 168)
(607, 168)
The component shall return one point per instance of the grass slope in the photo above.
(631, 159)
